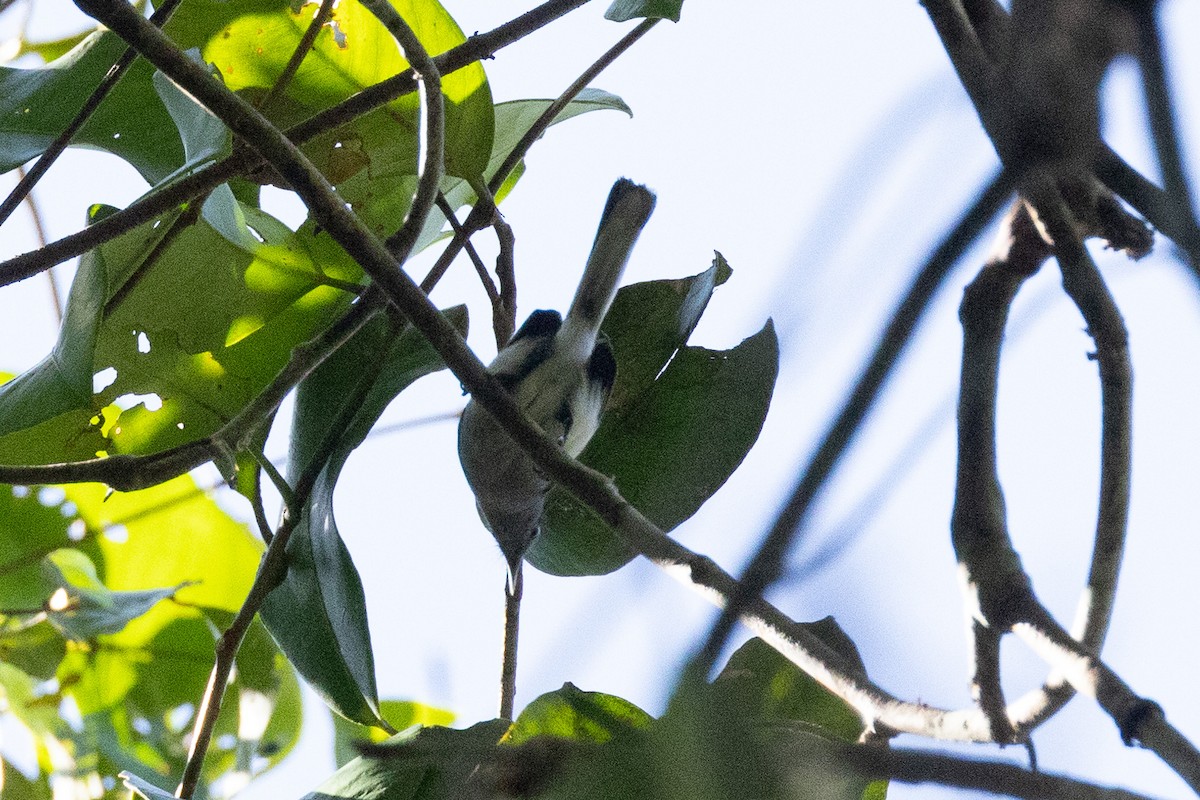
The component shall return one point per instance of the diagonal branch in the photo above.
(767, 563)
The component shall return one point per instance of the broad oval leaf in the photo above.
(570, 713)
(670, 436)
(36, 105)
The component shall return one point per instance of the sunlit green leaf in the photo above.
(400, 714)
(573, 714)
(679, 422)
(371, 160)
(318, 614)
(247, 306)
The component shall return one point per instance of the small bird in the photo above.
(560, 372)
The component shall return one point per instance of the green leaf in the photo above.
(368, 159)
(318, 614)
(762, 683)
(38, 104)
(143, 788)
(36, 650)
(513, 121)
(60, 386)
(248, 305)
(18, 787)
(669, 437)
(31, 525)
(136, 688)
(89, 608)
(400, 714)
(622, 10)
(428, 763)
(582, 716)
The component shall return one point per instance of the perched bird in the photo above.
(560, 372)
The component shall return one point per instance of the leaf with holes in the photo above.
(372, 159)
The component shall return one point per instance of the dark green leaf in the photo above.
(573, 714)
(400, 714)
(60, 386)
(37, 104)
(670, 440)
(763, 684)
(431, 763)
(622, 10)
(37, 650)
(318, 614)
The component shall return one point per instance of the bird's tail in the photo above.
(628, 209)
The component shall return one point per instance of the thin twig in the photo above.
(303, 48)
(765, 566)
(506, 269)
(270, 572)
(61, 142)
(546, 119)
(39, 231)
(512, 628)
(432, 131)
(1163, 125)
(993, 777)
(489, 286)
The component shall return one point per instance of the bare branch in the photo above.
(768, 561)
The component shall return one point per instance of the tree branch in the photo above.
(767, 563)
(995, 777)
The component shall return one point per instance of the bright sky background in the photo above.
(823, 149)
